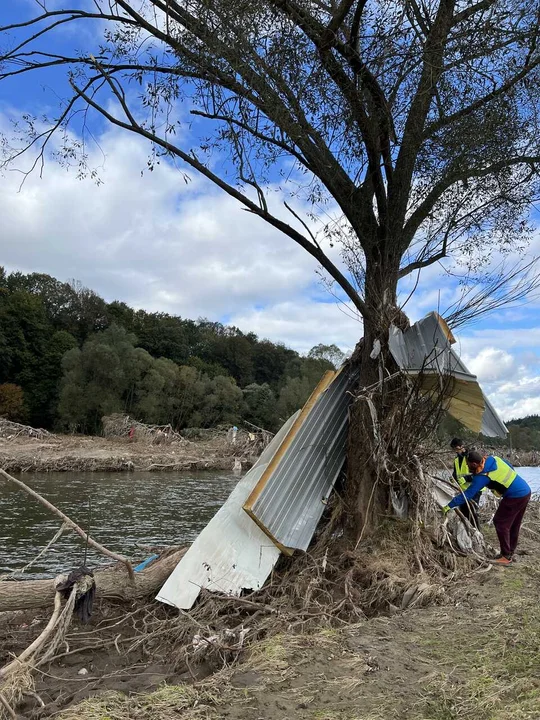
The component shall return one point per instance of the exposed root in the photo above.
(16, 677)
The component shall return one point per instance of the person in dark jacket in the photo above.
(463, 477)
(500, 477)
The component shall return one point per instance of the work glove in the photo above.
(445, 510)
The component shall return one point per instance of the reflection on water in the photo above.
(124, 509)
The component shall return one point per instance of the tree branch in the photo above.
(504, 288)
(316, 32)
(472, 10)
(254, 133)
(355, 25)
(286, 229)
(414, 126)
(339, 16)
(424, 209)
(473, 107)
(419, 264)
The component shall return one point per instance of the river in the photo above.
(124, 510)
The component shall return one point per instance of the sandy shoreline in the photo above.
(71, 453)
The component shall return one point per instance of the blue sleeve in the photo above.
(478, 483)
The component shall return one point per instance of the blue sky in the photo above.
(158, 243)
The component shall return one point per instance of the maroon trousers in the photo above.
(507, 521)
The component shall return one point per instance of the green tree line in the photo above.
(523, 434)
(67, 357)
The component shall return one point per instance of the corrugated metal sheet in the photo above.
(289, 501)
(232, 553)
(426, 347)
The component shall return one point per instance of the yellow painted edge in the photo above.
(324, 382)
(266, 531)
(446, 330)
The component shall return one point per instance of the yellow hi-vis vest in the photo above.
(461, 468)
(501, 478)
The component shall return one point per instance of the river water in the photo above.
(124, 510)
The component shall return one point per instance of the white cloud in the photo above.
(156, 242)
(518, 396)
(509, 377)
(492, 364)
(303, 324)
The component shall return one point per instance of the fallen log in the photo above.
(111, 582)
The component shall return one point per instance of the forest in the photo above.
(67, 358)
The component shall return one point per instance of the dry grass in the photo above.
(13, 689)
(169, 701)
(495, 665)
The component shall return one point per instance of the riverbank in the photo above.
(58, 453)
(28, 450)
(473, 656)
(476, 657)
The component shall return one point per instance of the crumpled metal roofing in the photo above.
(426, 347)
(290, 497)
(232, 553)
(467, 538)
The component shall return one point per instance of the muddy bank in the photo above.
(81, 453)
(472, 656)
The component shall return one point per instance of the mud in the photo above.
(83, 453)
(475, 655)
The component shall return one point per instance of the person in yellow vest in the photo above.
(463, 477)
(500, 477)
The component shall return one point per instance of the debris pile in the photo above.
(119, 425)
(10, 430)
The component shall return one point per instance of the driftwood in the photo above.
(38, 642)
(69, 523)
(119, 425)
(11, 430)
(110, 583)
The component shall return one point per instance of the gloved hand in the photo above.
(445, 510)
(468, 478)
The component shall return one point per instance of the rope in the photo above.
(42, 552)
(61, 628)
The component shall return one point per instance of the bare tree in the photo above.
(417, 119)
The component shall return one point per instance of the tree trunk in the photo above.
(112, 583)
(367, 487)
